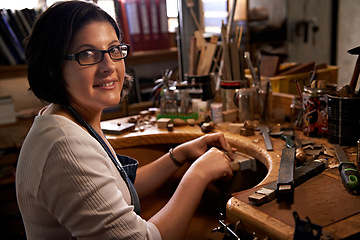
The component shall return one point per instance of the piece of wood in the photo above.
(230, 115)
(193, 55)
(301, 68)
(235, 61)
(163, 122)
(226, 71)
(235, 127)
(269, 65)
(207, 56)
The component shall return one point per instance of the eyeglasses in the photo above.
(94, 56)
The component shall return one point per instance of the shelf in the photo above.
(140, 57)
(13, 71)
(147, 57)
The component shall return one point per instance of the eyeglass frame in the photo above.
(74, 56)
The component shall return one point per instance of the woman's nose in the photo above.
(107, 64)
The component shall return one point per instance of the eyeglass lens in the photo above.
(95, 56)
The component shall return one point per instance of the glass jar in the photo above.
(296, 113)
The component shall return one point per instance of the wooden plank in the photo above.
(301, 68)
(269, 66)
(235, 61)
(207, 59)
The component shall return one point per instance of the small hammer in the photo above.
(355, 76)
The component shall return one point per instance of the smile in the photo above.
(106, 84)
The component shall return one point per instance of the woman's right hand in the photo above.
(213, 165)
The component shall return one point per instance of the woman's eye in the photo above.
(115, 51)
(87, 54)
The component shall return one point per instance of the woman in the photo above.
(70, 183)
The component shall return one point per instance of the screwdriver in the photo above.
(348, 172)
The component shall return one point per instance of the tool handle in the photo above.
(288, 140)
(350, 177)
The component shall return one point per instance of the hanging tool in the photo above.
(349, 175)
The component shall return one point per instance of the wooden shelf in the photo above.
(140, 57)
(13, 71)
(147, 57)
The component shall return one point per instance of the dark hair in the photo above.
(48, 44)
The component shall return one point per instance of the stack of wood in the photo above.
(233, 56)
(203, 55)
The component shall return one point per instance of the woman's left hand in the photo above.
(193, 149)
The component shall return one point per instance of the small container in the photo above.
(296, 113)
(202, 109)
(201, 87)
(228, 91)
(168, 103)
(343, 120)
(216, 112)
(183, 99)
(315, 112)
(245, 104)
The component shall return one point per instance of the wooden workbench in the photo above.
(323, 198)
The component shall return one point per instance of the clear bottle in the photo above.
(296, 113)
(245, 104)
(168, 103)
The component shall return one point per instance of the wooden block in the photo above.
(247, 132)
(301, 68)
(235, 61)
(230, 115)
(235, 127)
(206, 59)
(163, 122)
(193, 53)
(269, 65)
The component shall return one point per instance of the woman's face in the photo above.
(97, 86)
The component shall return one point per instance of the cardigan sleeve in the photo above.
(81, 187)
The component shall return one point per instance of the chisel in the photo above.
(348, 172)
(265, 133)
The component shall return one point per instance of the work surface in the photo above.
(322, 199)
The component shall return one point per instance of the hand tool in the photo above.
(268, 192)
(285, 182)
(264, 130)
(349, 175)
(255, 76)
(288, 137)
(300, 154)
